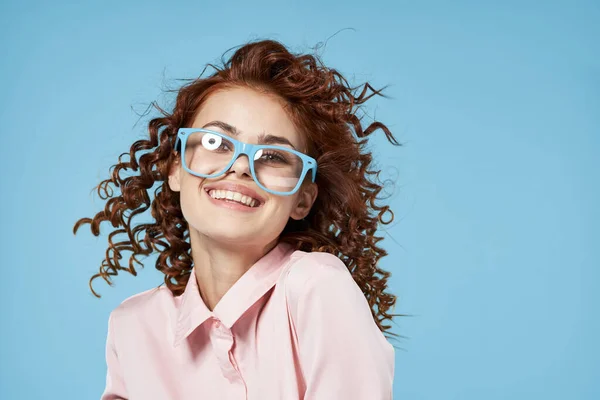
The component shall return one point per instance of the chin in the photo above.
(229, 233)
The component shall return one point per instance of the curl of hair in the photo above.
(344, 218)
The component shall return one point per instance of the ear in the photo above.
(306, 198)
(175, 175)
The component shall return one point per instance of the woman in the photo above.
(264, 223)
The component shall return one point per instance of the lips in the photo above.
(235, 187)
(236, 198)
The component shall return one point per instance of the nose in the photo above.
(241, 166)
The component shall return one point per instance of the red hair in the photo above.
(344, 218)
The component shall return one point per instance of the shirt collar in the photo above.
(251, 286)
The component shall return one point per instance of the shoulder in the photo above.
(145, 305)
(322, 295)
(317, 271)
(314, 266)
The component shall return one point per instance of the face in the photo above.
(251, 114)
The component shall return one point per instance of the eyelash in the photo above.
(276, 156)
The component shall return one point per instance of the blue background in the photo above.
(495, 245)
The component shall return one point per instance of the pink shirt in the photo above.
(294, 326)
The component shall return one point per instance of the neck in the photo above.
(218, 265)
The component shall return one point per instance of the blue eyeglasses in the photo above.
(275, 169)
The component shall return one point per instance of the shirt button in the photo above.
(221, 328)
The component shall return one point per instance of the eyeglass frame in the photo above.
(248, 149)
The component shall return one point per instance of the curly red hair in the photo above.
(344, 218)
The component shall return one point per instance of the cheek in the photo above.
(189, 196)
(282, 204)
(280, 211)
(190, 183)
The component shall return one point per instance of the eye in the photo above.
(211, 141)
(271, 156)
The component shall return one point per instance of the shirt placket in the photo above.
(222, 341)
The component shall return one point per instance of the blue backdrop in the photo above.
(495, 245)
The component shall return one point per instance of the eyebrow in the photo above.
(262, 138)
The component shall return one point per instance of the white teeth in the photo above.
(234, 196)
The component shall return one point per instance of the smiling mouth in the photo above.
(233, 197)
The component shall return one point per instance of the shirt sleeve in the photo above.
(115, 384)
(343, 353)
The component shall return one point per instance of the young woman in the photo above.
(265, 225)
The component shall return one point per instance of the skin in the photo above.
(226, 243)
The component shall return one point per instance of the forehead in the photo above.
(251, 112)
